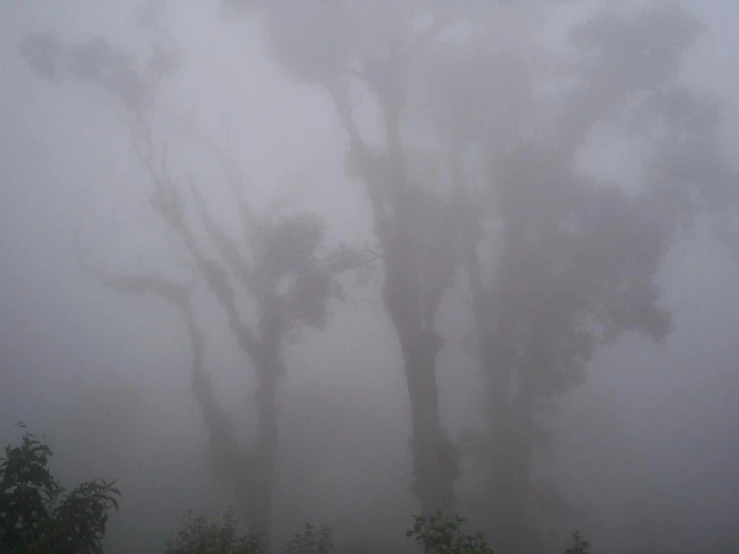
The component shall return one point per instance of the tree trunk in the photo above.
(508, 438)
(434, 462)
(433, 454)
(265, 452)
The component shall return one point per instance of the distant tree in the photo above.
(37, 515)
(561, 260)
(348, 49)
(476, 164)
(278, 269)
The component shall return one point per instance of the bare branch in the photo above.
(138, 284)
(168, 203)
(225, 244)
(224, 446)
(361, 152)
(234, 175)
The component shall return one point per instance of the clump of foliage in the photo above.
(313, 540)
(437, 534)
(441, 534)
(198, 535)
(581, 546)
(38, 515)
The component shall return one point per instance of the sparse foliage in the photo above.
(581, 544)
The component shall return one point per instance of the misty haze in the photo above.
(298, 275)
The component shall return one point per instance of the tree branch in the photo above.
(361, 153)
(225, 244)
(167, 201)
(230, 168)
(223, 443)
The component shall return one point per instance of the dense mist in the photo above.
(342, 262)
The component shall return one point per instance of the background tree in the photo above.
(350, 49)
(478, 156)
(562, 259)
(279, 270)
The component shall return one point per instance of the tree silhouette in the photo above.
(279, 269)
(559, 260)
(344, 48)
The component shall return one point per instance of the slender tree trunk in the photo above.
(266, 445)
(223, 443)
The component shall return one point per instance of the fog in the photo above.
(531, 207)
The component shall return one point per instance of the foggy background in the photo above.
(652, 437)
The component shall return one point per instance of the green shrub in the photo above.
(37, 515)
(313, 540)
(441, 534)
(581, 546)
(198, 535)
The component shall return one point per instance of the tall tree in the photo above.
(559, 259)
(279, 269)
(347, 49)
(570, 258)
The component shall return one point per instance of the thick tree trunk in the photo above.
(433, 455)
(434, 462)
(509, 444)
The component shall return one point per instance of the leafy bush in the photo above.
(197, 535)
(313, 540)
(441, 534)
(581, 546)
(37, 515)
